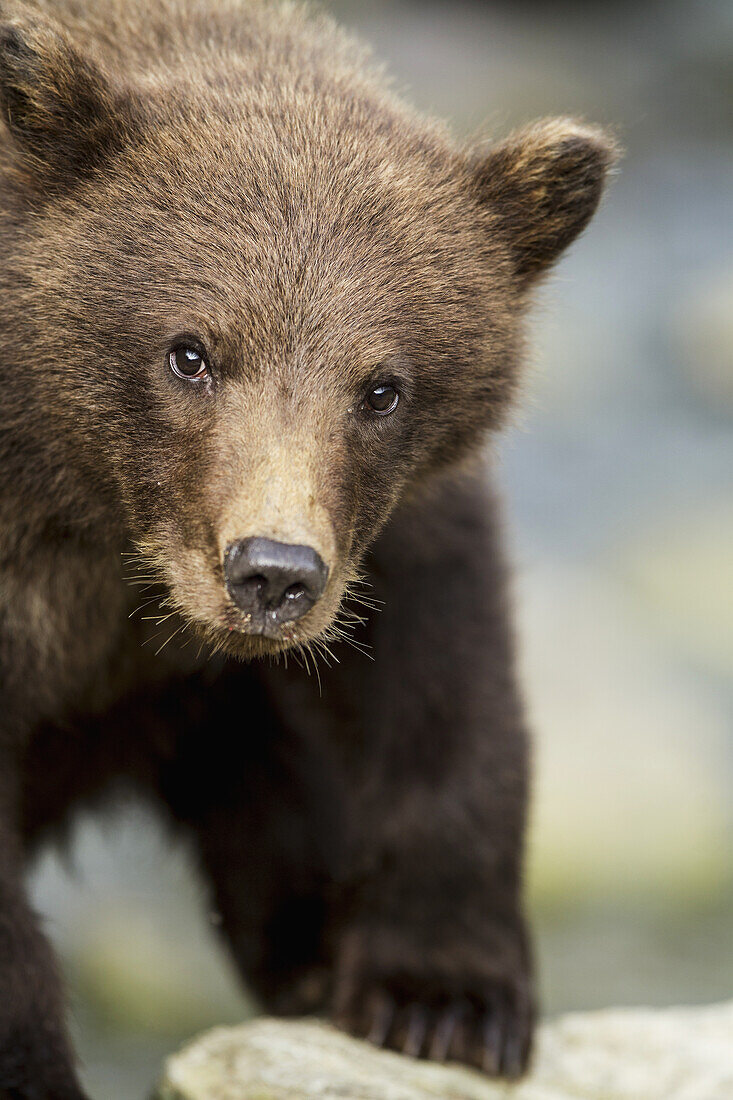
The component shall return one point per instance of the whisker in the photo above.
(177, 630)
(329, 651)
(145, 603)
(316, 668)
(359, 646)
(320, 648)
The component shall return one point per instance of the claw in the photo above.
(381, 1022)
(518, 1042)
(493, 1033)
(491, 1054)
(416, 1031)
(443, 1035)
(516, 1054)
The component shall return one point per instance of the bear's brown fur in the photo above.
(233, 175)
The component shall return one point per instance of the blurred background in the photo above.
(619, 482)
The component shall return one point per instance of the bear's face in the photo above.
(279, 317)
(267, 351)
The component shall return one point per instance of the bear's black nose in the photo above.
(275, 582)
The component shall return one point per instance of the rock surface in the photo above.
(621, 1054)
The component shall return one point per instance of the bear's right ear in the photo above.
(55, 103)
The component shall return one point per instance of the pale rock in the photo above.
(619, 1054)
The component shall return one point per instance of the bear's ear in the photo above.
(55, 103)
(544, 184)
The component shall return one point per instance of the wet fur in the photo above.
(243, 168)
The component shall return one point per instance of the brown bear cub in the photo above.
(257, 318)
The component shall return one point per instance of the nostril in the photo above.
(295, 592)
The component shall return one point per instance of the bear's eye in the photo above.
(382, 399)
(188, 363)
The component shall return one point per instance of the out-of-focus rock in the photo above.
(136, 978)
(704, 327)
(680, 570)
(631, 795)
(632, 1054)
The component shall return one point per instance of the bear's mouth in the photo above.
(263, 630)
(261, 625)
(250, 645)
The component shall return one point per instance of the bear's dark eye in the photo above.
(382, 399)
(188, 363)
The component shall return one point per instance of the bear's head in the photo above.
(258, 298)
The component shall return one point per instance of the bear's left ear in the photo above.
(544, 184)
(55, 103)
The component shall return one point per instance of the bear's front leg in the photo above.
(257, 802)
(431, 951)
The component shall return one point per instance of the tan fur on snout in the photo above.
(275, 495)
(270, 480)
